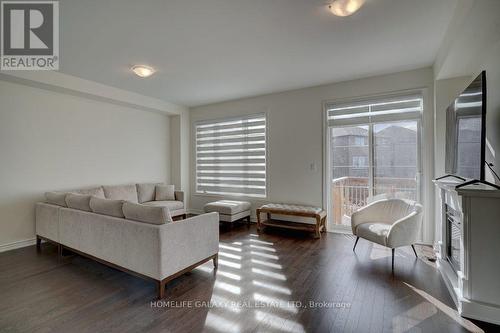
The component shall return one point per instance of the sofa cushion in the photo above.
(93, 192)
(107, 206)
(78, 201)
(375, 232)
(146, 191)
(171, 204)
(228, 207)
(147, 214)
(56, 198)
(121, 192)
(165, 193)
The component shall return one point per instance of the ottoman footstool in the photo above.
(230, 210)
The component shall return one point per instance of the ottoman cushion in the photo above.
(228, 207)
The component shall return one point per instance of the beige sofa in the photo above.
(122, 228)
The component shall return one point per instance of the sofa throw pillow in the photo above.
(146, 191)
(165, 193)
(93, 192)
(121, 192)
(78, 201)
(147, 214)
(56, 198)
(107, 206)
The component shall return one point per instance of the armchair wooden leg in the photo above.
(355, 243)
(38, 243)
(413, 247)
(393, 260)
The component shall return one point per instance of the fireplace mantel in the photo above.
(474, 211)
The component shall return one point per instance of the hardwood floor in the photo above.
(356, 291)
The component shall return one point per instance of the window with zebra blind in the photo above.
(231, 156)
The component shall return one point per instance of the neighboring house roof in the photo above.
(396, 132)
(356, 131)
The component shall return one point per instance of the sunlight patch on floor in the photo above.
(228, 287)
(265, 255)
(229, 275)
(275, 302)
(221, 324)
(270, 274)
(279, 323)
(229, 255)
(229, 264)
(267, 264)
(450, 312)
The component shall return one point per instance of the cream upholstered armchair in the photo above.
(390, 222)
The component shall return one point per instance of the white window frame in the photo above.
(327, 200)
(266, 145)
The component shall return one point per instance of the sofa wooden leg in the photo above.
(59, 251)
(38, 243)
(216, 261)
(161, 288)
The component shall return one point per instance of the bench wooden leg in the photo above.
(318, 228)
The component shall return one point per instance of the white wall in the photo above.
(51, 141)
(472, 44)
(295, 121)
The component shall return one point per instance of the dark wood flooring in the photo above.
(284, 281)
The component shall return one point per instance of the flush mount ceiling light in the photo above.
(142, 70)
(345, 7)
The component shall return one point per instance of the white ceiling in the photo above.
(208, 51)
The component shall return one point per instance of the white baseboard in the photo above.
(17, 244)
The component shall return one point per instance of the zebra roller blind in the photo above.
(231, 156)
(382, 109)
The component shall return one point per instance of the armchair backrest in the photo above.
(391, 210)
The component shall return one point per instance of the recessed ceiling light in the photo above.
(345, 7)
(143, 71)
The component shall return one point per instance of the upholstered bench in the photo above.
(230, 210)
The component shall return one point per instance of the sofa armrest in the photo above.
(187, 242)
(47, 221)
(179, 195)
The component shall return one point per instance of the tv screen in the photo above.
(465, 131)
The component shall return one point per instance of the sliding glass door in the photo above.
(374, 159)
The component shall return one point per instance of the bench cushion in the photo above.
(227, 207)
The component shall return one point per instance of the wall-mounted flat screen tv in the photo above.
(465, 131)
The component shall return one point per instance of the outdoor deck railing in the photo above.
(351, 193)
